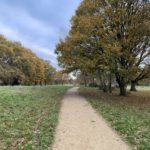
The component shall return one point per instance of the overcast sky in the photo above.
(37, 24)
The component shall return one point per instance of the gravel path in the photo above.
(81, 128)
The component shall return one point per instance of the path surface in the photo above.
(81, 128)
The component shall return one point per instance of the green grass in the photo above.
(28, 116)
(130, 115)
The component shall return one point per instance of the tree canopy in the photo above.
(110, 36)
(19, 65)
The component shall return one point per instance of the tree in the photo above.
(108, 36)
(61, 77)
(81, 50)
(125, 38)
(19, 65)
(49, 73)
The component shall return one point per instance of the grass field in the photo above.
(129, 115)
(28, 116)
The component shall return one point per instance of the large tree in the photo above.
(113, 35)
(126, 37)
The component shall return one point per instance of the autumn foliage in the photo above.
(110, 38)
(19, 65)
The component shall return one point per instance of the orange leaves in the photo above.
(108, 35)
(19, 65)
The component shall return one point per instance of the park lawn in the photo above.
(129, 115)
(28, 116)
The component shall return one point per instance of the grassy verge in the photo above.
(28, 116)
(130, 115)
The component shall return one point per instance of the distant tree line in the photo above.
(109, 39)
(20, 66)
(62, 77)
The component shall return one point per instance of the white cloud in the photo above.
(37, 48)
(37, 26)
(34, 29)
(8, 32)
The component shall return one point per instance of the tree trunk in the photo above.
(93, 81)
(123, 90)
(85, 82)
(110, 83)
(122, 85)
(105, 88)
(100, 80)
(133, 86)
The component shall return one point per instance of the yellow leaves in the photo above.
(87, 24)
(61, 76)
(106, 37)
(20, 63)
(88, 7)
(4, 49)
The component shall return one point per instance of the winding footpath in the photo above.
(81, 128)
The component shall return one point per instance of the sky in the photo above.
(37, 24)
